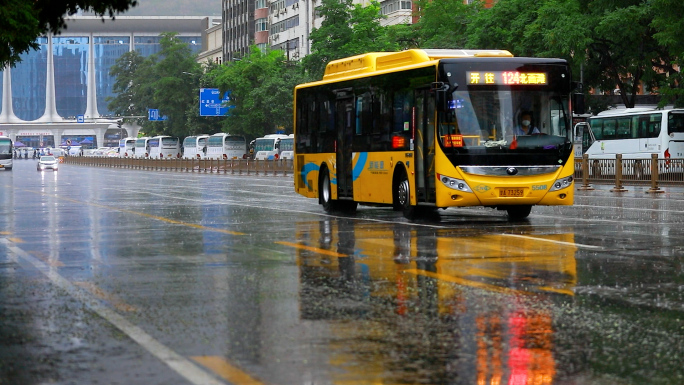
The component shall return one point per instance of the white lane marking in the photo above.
(532, 237)
(630, 208)
(175, 361)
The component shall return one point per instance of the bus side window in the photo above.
(675, 123)
(609, 128)
(597, 128)
(654, 125)
(623, 131)
(382, 121)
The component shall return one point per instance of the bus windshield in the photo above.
(215, 141)
(287, 144)
(264, 145)
(492, 119)
(169, 142)
(5, 146)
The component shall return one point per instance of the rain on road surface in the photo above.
(112, 276)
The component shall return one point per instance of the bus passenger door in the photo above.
(344, 122)
(583, 138)
(425, 146)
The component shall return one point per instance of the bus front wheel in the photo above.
(517, 213)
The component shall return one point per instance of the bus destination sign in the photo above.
(508, 78)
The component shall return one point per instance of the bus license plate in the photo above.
(511, 192)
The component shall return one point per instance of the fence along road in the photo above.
(619, 172)
(225, 166)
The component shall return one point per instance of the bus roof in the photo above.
(623, 111)
(379, 61)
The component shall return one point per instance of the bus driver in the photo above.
(526, 127)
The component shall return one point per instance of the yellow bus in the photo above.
(435, 129)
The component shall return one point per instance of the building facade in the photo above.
(238, 28)
(60, 91)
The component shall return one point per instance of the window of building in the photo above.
(261, 25)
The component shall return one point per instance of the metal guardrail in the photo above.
(224, 166)
(621, 172)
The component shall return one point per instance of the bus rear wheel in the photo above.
(325, 193)
(403, 197)
(517, 213)
(325, 197)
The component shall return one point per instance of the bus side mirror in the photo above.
(441, 94)
(578, 103)
(441, 100)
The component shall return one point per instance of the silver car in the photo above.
(48, 161)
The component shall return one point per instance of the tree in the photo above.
(505, 26)
(168, 81)
(669, 24)
(443, 23)
(24, 21)
(197, 124)
(346, 30)
(261, 86)
(177, 77)
(127, 86)
(613, 40)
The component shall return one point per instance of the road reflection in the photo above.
(437, 306)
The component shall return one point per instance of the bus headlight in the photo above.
(453, 183)
(562, 183)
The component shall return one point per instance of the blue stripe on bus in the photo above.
(306, 170)
(360, 165)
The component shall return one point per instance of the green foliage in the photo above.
(167, 81)
(614, 41)
(261, 86)
(669, 24)
(24, 21)
(347, 30)
(443, 23)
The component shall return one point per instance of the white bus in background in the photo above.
(126, 147)
(142, 148)
(636, 133)
(287, 147)
(268, 147)
(164, 147)
(195, 147)
(226, 146)
(6, 152)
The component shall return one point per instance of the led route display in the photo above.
(509, 78)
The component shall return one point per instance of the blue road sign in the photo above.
(153, 115)
(212, 104)
(80, 119)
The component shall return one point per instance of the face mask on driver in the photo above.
(525, 122)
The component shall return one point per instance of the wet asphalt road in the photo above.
(142, 277)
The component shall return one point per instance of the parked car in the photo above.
(48, 162)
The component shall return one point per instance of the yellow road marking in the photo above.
(46, 259)
(15, 240)
(227, 371)
(557, 290)
(103, 295)
(465, 282)
(167, 220)
(314, 249)
(5, 233)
